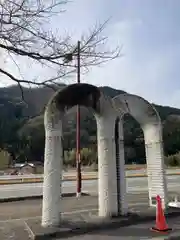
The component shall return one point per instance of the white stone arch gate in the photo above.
(150, 122)
(91, 97)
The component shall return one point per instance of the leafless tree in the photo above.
(23, 36)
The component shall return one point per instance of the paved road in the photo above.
(73, 173)
(65, 174)
(134, 185)
(75, 209)
(29, 209)
(33, 208)
(143, 171)
(133, 232)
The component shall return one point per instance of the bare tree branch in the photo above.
(23, 35)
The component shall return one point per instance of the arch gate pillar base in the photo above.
(155, 165)
(123, 204)
(51, 212)
(107, 182)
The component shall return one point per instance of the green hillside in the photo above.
(22, 130)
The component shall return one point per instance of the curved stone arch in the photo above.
(138, 107)
(101, 105)
(150, 122)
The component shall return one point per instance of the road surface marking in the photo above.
(28, 229)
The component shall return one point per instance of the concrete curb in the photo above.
(15, 199)
(96, 225)
(39, 180)
(173, 238)
(85, 178)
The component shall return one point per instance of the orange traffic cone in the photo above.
(161, 225)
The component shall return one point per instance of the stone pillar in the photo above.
(155, 163)
(122, 174)
(53, 161)
(107, 182)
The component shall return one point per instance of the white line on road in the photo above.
(28, 229)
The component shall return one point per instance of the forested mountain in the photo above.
(22, 130)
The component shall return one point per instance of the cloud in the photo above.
(150, 35)
(145, 70)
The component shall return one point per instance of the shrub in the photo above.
(173, 160)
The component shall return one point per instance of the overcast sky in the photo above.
(149, 31)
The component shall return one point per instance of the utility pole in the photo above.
(78, 148)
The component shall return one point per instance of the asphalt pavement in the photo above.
(32, 208)
(69, 205)
(133, 232)
(90, 173)
(15, 216)
(134, 185)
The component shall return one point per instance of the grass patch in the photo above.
(39, 170)
(4, 158)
